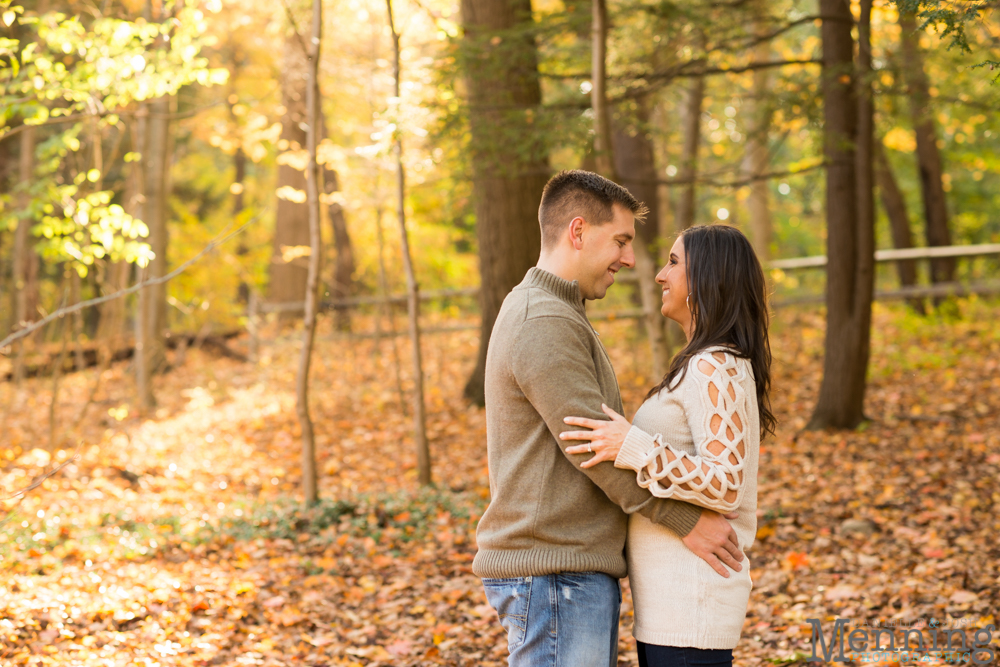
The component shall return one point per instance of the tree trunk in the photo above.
(688, 172)
(510, 168)
(343, 271)
(97, 160)
(143, 382)
(110, 326)
(156, 154)
(757, 157)
(603, 148)
(660, 127)
(143, 379)
(8, 178)
(57, 369)
(865, 175)
(114, 276)
(895, 209)
(240, 174)
(7, 314)
(75, 298)
(157, 168)
(628, 159)
(928, 154)
(637, 170)
(289, 272)
(386, 307)
(310, 492)
(848, 129)
(412, 289)
(25, 269)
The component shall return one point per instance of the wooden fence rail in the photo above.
(629, 276)
(895, 255)
(353, 302)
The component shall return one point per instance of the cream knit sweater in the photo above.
(704, 451)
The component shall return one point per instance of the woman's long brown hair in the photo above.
(728, 306)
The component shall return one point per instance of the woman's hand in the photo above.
(606, 437)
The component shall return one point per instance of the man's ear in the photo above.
(576, 228)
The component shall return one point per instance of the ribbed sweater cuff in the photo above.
(637, 445)
(682, 518)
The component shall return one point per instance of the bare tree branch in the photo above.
(741, 182)
(745, 68)
(899, 91)
(219, 240)
(81, 116)
(295, 27)
(680, 71)
(20, 495)
(778, 32)
(663, 77)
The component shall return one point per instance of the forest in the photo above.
(251, 257)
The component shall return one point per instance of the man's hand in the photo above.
(714, 541)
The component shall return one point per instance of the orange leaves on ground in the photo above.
(175, 541)
(795, 560)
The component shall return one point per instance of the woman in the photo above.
(696, 439)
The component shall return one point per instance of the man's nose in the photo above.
(628, 258)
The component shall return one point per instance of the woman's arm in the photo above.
(714, 477)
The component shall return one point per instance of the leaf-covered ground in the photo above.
(175, 539)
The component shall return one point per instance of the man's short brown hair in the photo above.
(574, 193)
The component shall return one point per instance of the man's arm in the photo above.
(554, 368)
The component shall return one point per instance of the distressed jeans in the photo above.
(558, 620)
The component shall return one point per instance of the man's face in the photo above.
(605, 250)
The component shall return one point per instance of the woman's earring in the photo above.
(688, 302)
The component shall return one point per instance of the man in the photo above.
(551, 542)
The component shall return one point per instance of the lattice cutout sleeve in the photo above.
(714, 477)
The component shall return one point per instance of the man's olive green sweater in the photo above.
(548, 515)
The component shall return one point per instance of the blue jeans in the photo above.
(653, 655)
(568, 619)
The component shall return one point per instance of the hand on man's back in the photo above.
(714, 541)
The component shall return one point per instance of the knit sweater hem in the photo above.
(495, 563)
(680, 639)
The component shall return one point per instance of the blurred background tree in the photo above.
(134, 132)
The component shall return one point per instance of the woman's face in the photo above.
(673, 279)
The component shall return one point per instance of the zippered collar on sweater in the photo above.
(565, 290)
